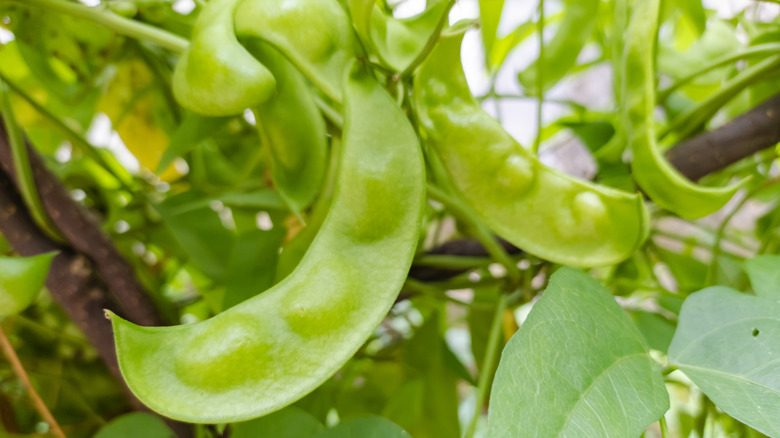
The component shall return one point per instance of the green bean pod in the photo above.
(663, 183)
(272, 349)
(21, 280)
(394, 42)
(216, 76)
(541, 210)
(293, 130)
(315, 35)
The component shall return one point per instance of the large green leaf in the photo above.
(764, 273)
(21, 280)
(134, 425)
(290, 422)
(728, 343)
(365, 427)
(578, 367)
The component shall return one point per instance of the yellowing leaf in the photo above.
(140, 113)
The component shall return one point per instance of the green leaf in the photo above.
(21, 280)
(560, 54)
(490, 16)
(188, 135)
(764, 274)
(578, 367)
(252, 265)
(728, 343)
(427, 405)
(134, 425)
(290, 422)
(694, 10)
(655, 328)
(199, 231)
(364, 427)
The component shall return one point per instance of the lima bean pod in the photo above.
(216, 75)
(315, 35)
(293, 130)
(539, 209)
(276, 347)
(653, 173)
(395, 42)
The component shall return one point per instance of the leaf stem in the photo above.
(664, 427)
(434, 38)
(491, 353)
(759, 50)
(16, 364)
(121, 25)
(24, 173)
(77, 139)
(480, 230)
(539, 79)
(451, 261)
(700, 113)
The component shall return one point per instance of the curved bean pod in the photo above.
(539, 209)
(272, 349)
(313, 34)
(293, 129)
(663, 183)
(396, 43)
(216, 76)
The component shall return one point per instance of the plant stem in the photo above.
(700, 113)
(712, 271)
(539, 79)
(121, 25)
(664, 427)
(434, 38)
(16, 364)
(480, 230)
(491, 352)
(24, 174)
(762, 49)
(77, 139)
(432, 291)
(330, 113)
(451, 261)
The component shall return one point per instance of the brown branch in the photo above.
(79, 280)
(740, 138)
(84, 234)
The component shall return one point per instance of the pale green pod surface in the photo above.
(663, 183)
(293, 130)
(21, 280)
(314, 34)
(216, 76)
(271, 350)
(541, 210)
(395, 42)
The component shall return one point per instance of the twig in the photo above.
(491, 352)
(16, 364)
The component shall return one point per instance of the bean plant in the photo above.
(303, 219)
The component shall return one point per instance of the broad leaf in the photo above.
(21, 280)
(764, 274)
(134, 425)
(578, 367)
(728, 343)
(365, 427)
(290, 422)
